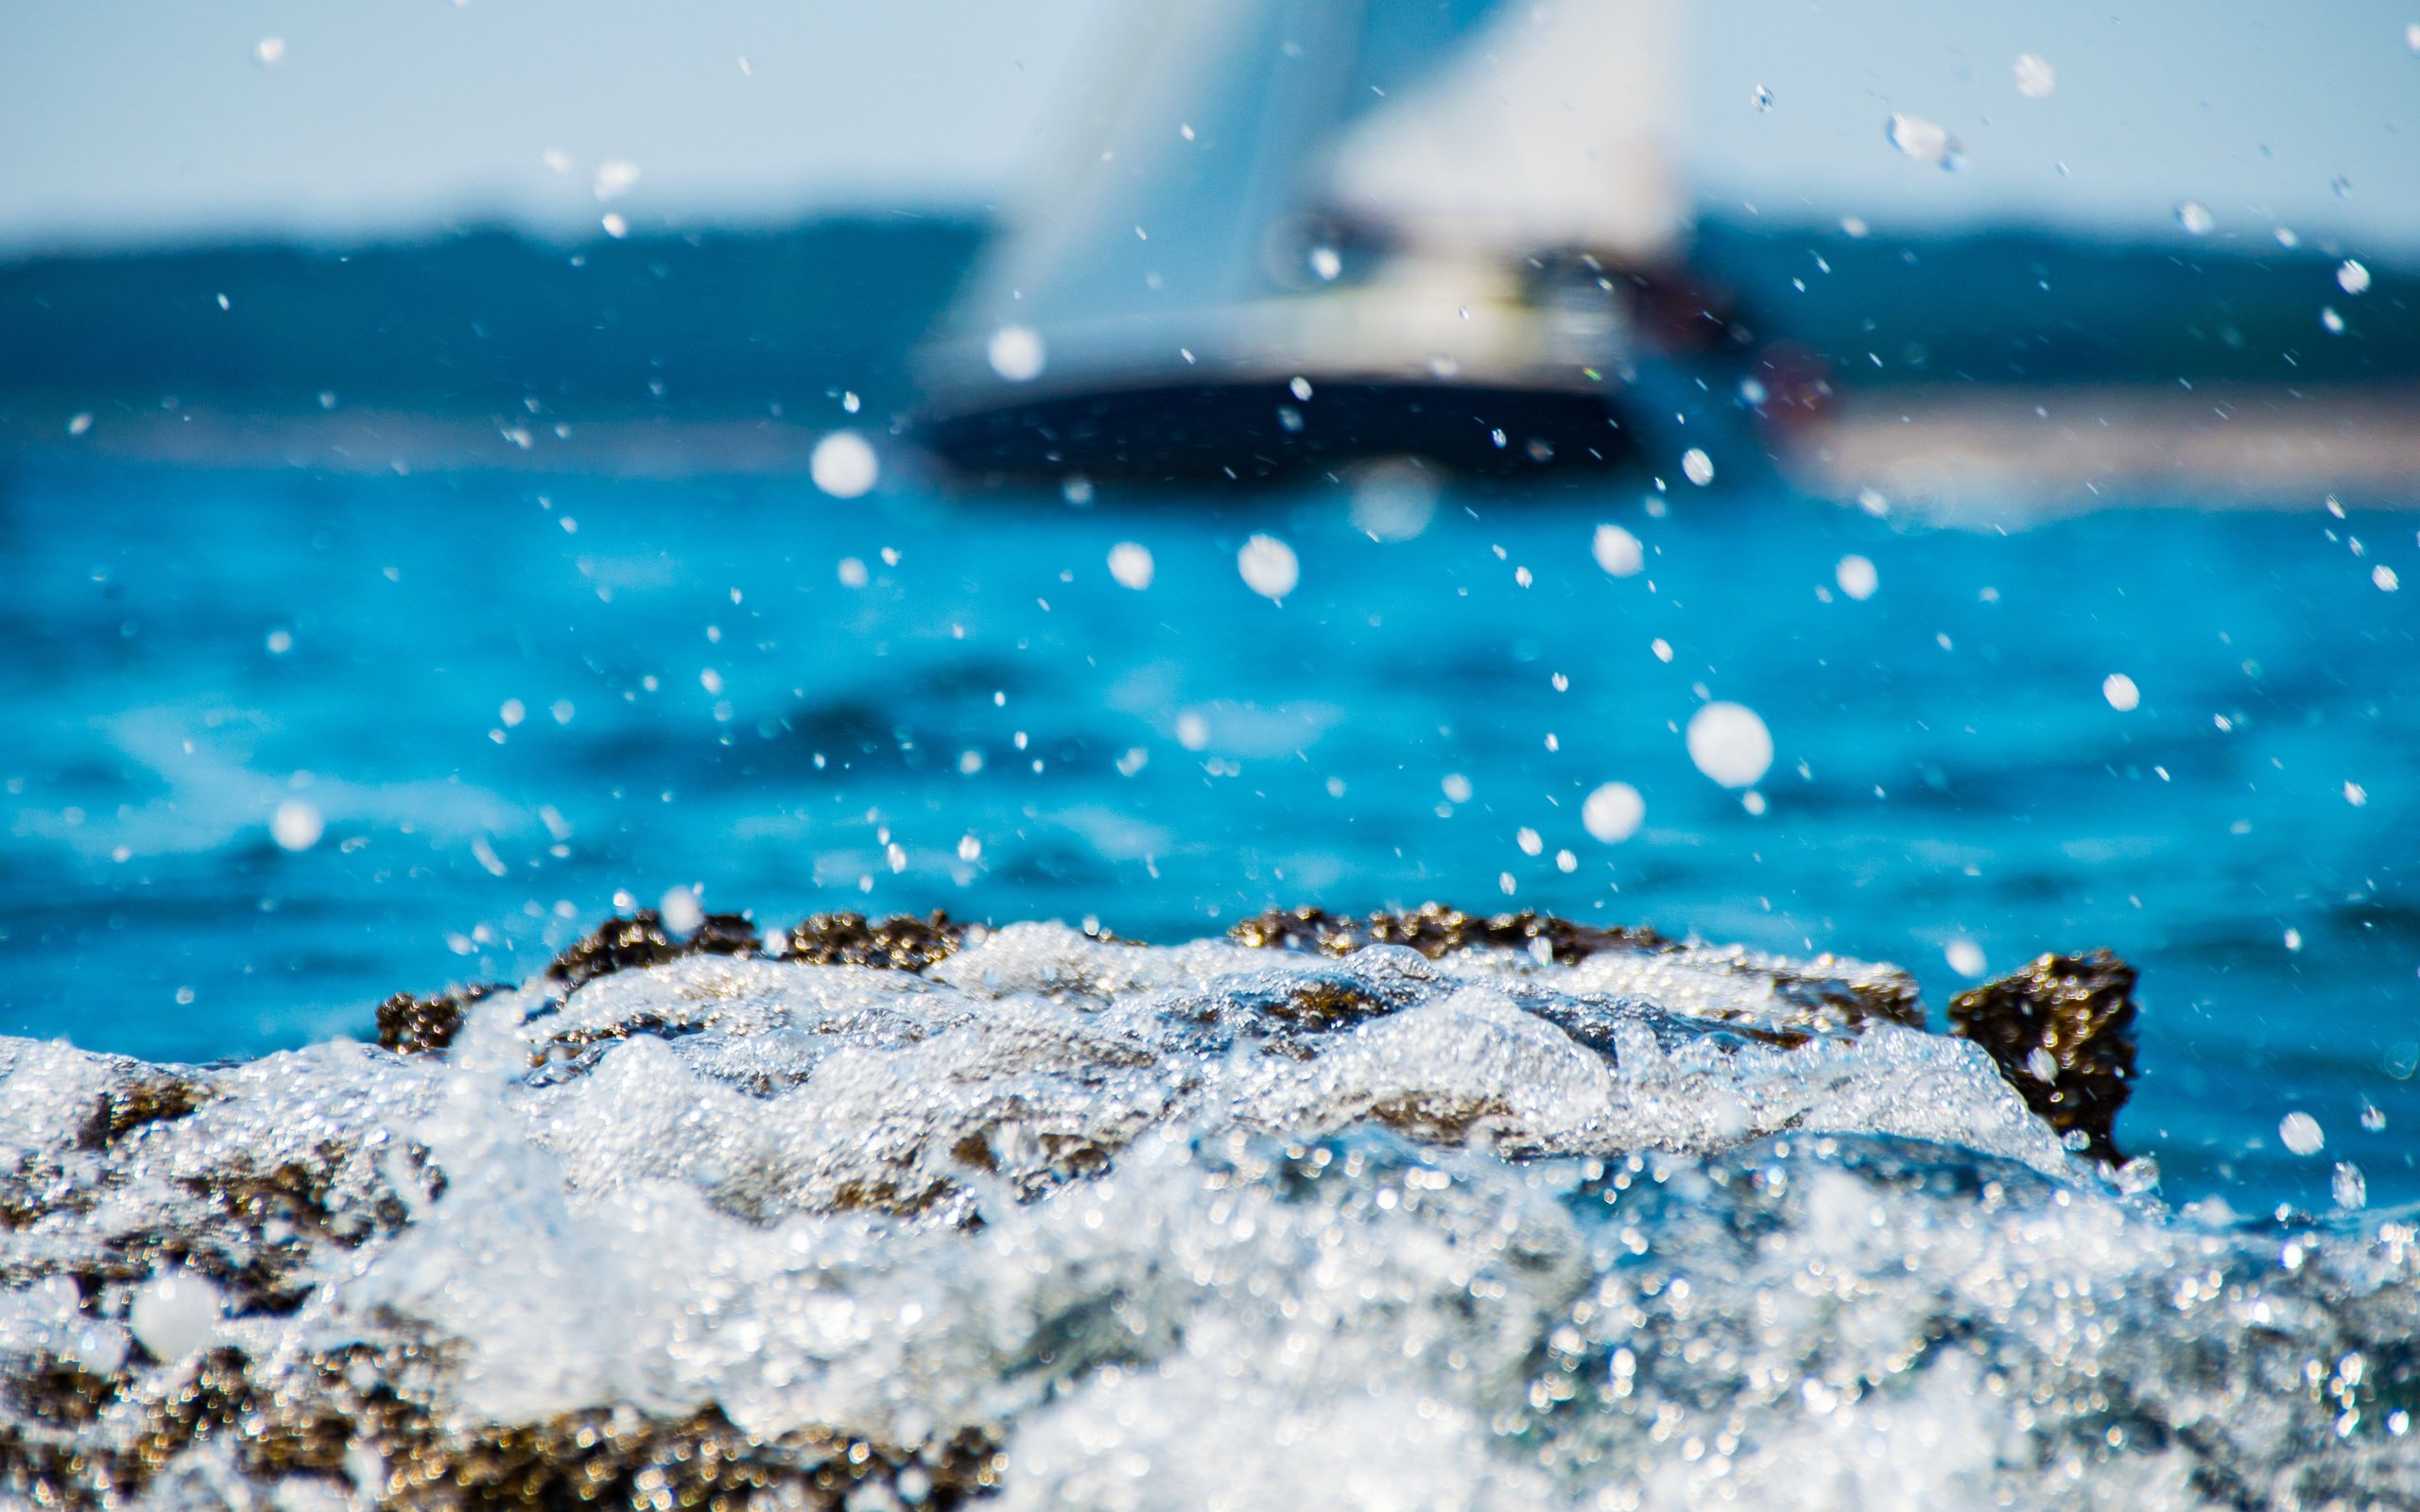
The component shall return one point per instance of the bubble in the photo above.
(1192, 730)
(1394, 500)
(176, 1314)
(1730, 743)
(1531, 842)
(1618, 551)
(2301, 1133)
(1456, 787)
(613, 179)
(279, 642)
(2384, 576)
(1762, 99)
(1076, 489)
(681, 910)
(1856, 577)
(616, 225)
(2293, 939)
(843, 465)
(512, 710)
(970, 849)
(2331, 321)
(1661, 648)
(1613, 813)
(852, 572)
(1130, 564)
(2121, 692)
(1924, 142)
(2355, 794)
(2195, 219)
(1268, 567)
(296, 825)
(1016, 354)
(80, 423)
(2352, 277)
(1697, 466)
(2035, 78)
(268, 51)
(1966, 959)
(1325, 263)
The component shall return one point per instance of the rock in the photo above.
(2073, 1017)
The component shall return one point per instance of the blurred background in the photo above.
(466, 468)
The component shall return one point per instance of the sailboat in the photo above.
(1291, 234)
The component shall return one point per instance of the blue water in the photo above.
(188, 651)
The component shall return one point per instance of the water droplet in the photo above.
(1016, 354)
(613, 179)
(1924, 142)
(2350, 1187)
(2121, 692)
(843, 465)
(2035, 78)
(1613, 813)
(1730, 743)
(2195, 219)
(296, 825)
(2301, 1133)
(1619, 552)
(1129, 564)
(681, 911)
(1268, 567)
(175, 1315)
(2352, 277)
(1856, 577)
(1394, 500)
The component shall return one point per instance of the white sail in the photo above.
(1550, 132)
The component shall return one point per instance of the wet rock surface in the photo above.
(2062, 1031)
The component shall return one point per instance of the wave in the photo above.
(1421, 1210)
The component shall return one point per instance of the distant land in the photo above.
(741, 346)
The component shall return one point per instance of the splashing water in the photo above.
(1053, 1221)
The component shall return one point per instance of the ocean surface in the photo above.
(1079, 1222)
(508, 699)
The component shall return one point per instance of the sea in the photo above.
(283, 742)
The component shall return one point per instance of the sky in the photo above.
(131, 123)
